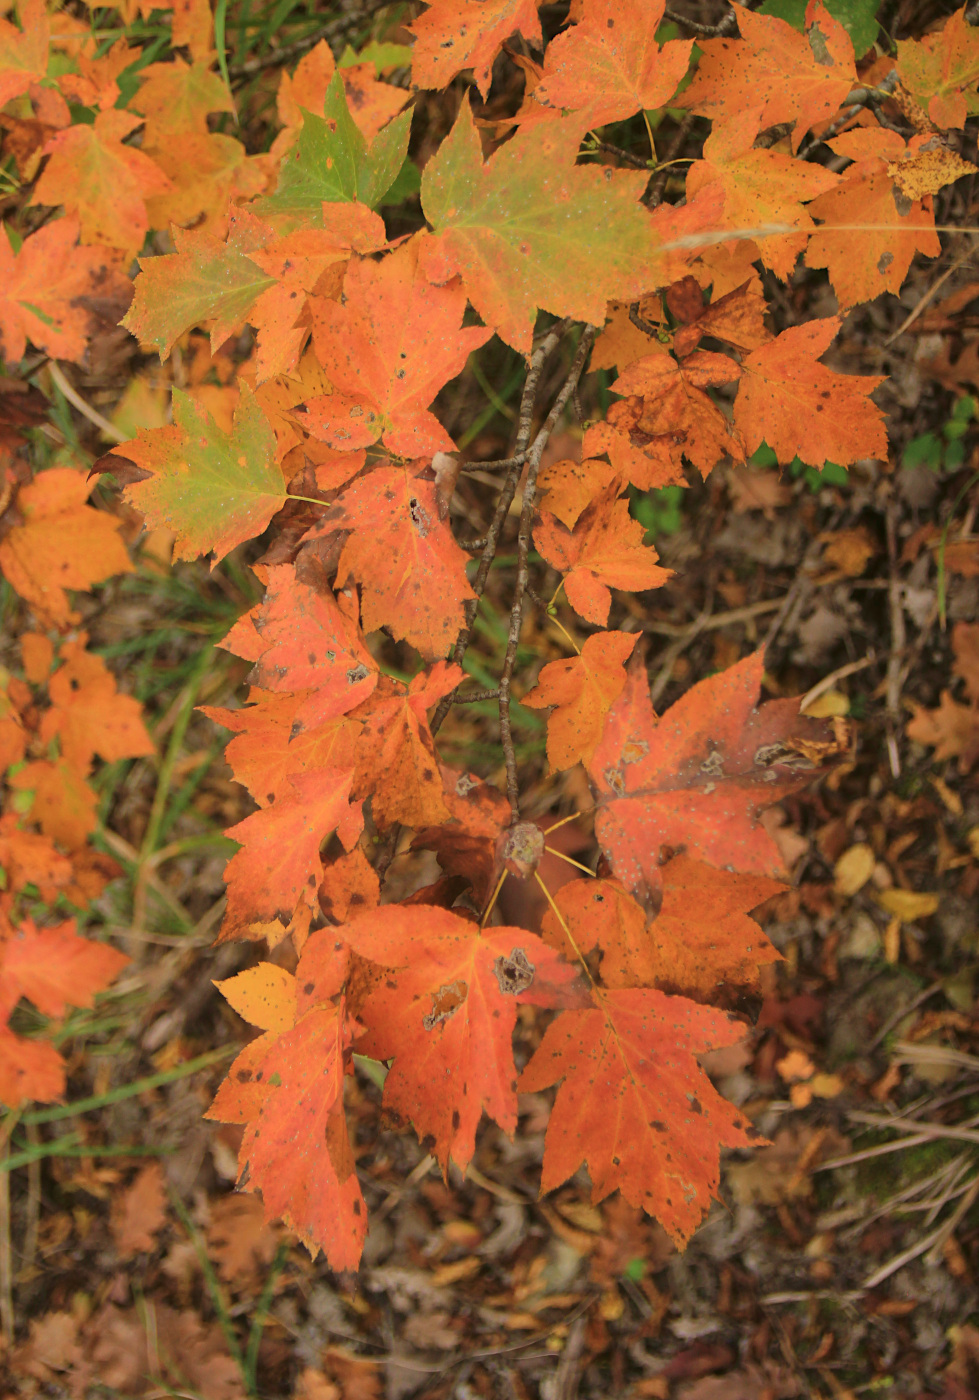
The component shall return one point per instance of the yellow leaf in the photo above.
(908, 905)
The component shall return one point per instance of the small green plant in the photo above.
(944, 450)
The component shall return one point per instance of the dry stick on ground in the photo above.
(523, 550)
(899, 641)
(514, 465)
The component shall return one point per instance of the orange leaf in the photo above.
(942, 70)
(279, 866)
(29, 1069)
(307, 643)
(44, 290)
(63, 543)
(700, 776)
(401, 551)
(101, 180)
(387, 348)
(54, 968)
(88, 714)
(675, 401)
(571, 485)
(23, 53)
(634, 1105)
(456, 34)
(609, 65)
(466, 841)
(446, 1016)
(774, 72)
(582, 689)
(800, 408)
(604, 548)
(396, 752)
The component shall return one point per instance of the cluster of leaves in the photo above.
(54, 721)
(334, 443)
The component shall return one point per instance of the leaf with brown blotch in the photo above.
(62, 543)
(634, 1105)
(411, 572)
(776, 73)
(372, 104)
(388, 347)
(455, 34)
(675, 401)
(445, 1013)
(349, 886)
(50, 288)
(605, 549)
(609, 66)
(700, 776)
(800, 408)
(102, 181)
(466, 841)
(396, 760)
(309, 644)
(582, 690)
(278, 867)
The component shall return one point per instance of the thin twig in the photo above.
(709, 31)
(474, 695)
(523, 551)
(547, 344)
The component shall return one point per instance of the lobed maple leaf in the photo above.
(401, 551)
(396, 761)
(213, 489)
(953, 729)
(609, 66)
(50, 289)
(700, 776)
(676, 408)
(775, 73)
(604, 549)
(572, 485)
(582, 690)
(761, 188)
(736, 318)
(62, 543)
(54, 968)
(800, 408)
(387, 348)
(330, 162)
(287, 1088)
(445, 1014)
(942, 70)
(29, 859)
(58, 798)
(649, 460)
(634, 1106)
(500, 223)
(103, 182)
(88, 715)
(306, 643)
(456, 34)
(176, 99)
(892, 227)
(277, 872)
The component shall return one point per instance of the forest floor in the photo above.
(843, 1259)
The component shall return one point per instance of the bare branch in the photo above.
(523, 550)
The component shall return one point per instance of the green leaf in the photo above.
(381, 55)
(203, 281)
(408, 183)
(331, 163)
(213, 489)
(530, 229)
(858, 18)
(925, 450)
